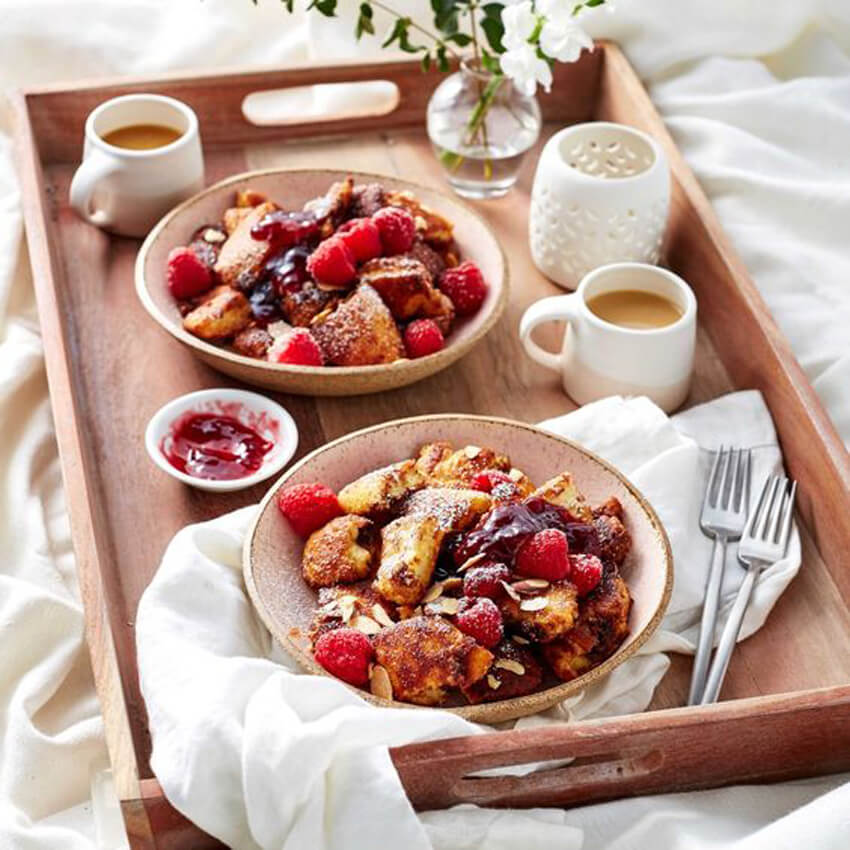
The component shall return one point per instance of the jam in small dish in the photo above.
(221, 440)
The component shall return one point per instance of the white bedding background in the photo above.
(756, 93)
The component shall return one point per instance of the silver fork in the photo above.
(724, 514)
(763, 543)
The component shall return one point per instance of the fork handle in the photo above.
(730, 635)
(708, 623)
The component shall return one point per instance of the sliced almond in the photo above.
(472, 451)
(520, 640)
(449, 605)
(452, 584)
(379, 682)
(511, 592)
(511, 665)
(536, 603)
(418, 611)
(380, 614)
(365, 624)
(493, 682)
(530, 585)
(421, 223)
(213, 235)
(516, 474)
(435, 591)
(471, 562)
(346, 608)
(330, 608)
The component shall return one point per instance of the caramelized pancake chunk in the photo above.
(223, 312)
(514, 672)
(242, 257)
(342, 551)
(342, 605)
(546, 623)
(410, 546)
(561, 490)
(432, 228)
(380, 492)
(454, 509)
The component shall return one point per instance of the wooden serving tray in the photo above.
(788, 702)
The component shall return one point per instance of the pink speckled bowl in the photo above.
(291, 188)
(272, 554)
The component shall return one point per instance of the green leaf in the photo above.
(491, 23)
(426, 62)
(290, 4)
(445, 15)
(364, 21)
(442, 60)
(461, 39)
(489, 62)
(326, 7)
(400, 33)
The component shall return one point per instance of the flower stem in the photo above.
(415, 26)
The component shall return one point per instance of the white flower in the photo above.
(526, 69)
(561, 37)
(519, 22)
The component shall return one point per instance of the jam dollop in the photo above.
(282, 229)
(214, 446)
(504, 528)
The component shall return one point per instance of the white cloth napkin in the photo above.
(262, 756)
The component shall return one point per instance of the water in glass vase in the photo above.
(481, 150)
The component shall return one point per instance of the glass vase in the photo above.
(480, 126)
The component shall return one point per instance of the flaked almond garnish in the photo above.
(472, 451)
(520, 640)
(435, 591)
(516, 474)
(536, 603)
(329, 608)
(213, 235)
(379, 682)
(530, 585)
(365, 624)
(420, 223)
(327, 287)
(449, 605)
(511, 592)
(452, 584)
(471, 562)
(380, 614)
(418, 611)
(493, 682)
(511, 665)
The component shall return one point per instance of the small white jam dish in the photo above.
(269, 422)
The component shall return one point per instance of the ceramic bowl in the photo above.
(291, 188)
(285, 603)
(262, 414)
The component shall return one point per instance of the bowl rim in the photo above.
(500, 709)
(450, 353)
(165, 415)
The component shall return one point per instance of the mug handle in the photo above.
(94, 168)
(554, 308)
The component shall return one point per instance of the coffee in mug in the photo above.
(142, 137)
(635, 309)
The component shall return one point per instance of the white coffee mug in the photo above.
(601, 359)
(128, 191)
(601, 195)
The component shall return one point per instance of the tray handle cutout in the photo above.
(321, 103)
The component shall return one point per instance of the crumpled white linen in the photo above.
(766, 129)
(233, 721)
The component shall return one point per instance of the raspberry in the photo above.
(423, 337)
(298, 348)
(308, 507)
(345, 653)
(332, 262)
(397, 229)
(485, 580)
(489, 479)
(362, 237)
(465, 287)
(187, 274)
(480, 619)
(544, 555)
(585, 573)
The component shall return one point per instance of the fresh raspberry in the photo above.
(465, 286)
(489, 479)
(485, 580)
(544, 555)
(308, 507)
(423, 337)
(397, 229)
(362, 237)
(332, 262)
(298, 348)
(345, 653)
(480, 619)
(585, 573)
(187, 274)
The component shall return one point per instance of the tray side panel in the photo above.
(745, 335)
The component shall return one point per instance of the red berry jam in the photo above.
(214, 446)
(506, 527)
(287, 270)
(283, 229)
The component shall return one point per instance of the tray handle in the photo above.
(321, 103)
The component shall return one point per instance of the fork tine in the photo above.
(776, 480)
(785, 532)
(719, 496)
(712, 478)
(778, 512)
(747, 480)
(729, 497)
(743, 471)
(755, 516)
